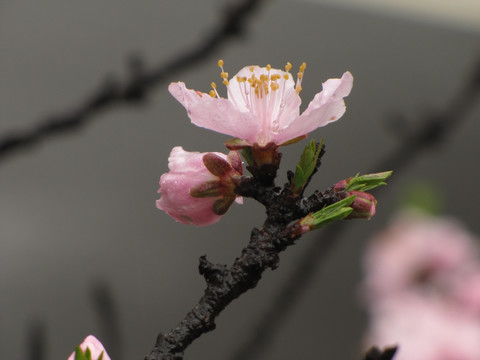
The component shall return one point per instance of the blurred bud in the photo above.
(90, 349)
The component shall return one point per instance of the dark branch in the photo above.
(141, 81)
(36, 341)
(377, 354)
(262, 252)
(106, 311)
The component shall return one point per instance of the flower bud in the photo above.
(199, 187)
(95, 347)
(363, 206)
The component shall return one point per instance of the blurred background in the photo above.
(81, 242)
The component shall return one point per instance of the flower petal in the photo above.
(215, 114)
(327, 106)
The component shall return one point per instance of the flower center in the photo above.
(262, 85)
(261, 91)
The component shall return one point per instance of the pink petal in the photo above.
(327, 106)
(215, 114)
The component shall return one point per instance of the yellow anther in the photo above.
(286, 77)
(225, 82)
(241, 79)
(220, 63)
(300, 75)
(275, 77)
(274, 86)
(251, 68)
(213, 85)
(303, 67)
(224, 75)
(288, 67)
(269, 67)
(212, 93)
(298, 88)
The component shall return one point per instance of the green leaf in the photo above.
(247, 154)
(306, 165)
(338, 211)
(368, 182)
(79, 355)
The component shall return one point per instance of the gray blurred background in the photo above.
(78, 210)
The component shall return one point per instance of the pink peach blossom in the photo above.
(188, 173)
(424, 328)
(422, 289)
(95, 346)
(263, 105)
(416, 248)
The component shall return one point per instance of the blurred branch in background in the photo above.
(112, 92)
(376, 354)
(36, 340)
(435, 128)
(106, 310)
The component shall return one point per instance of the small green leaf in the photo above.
(79, 355)
(368, 182)
(88, 354)
(247, 154)
(338, 211)
(306, 165)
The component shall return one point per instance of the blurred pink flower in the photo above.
(416, 249)
(424, 328)
(422, 289)
(95, 346)
(197, 195)
(263, 105)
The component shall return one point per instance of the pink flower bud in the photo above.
(95, 346)
(363, 205)
(199, 187)
(341, 185)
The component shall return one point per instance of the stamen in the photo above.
(288, 67)
(298, 85)
(214, 91)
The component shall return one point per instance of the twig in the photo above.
(36, 340)
(225, 284)
(113, 93)
(376, 354)
(435, 129)
(106, 310)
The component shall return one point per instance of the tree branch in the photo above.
(224, 284)
(112, 93)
